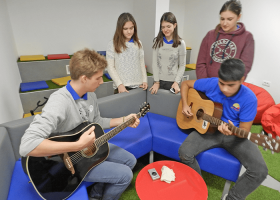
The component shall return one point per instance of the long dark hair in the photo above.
(167, 17)
(231, 5)
(119, 39)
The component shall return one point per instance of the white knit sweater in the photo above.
(128, 67)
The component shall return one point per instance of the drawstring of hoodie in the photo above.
(212, 53)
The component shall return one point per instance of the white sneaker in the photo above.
(224, 198)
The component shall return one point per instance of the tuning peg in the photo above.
(277, 137)
(270, 135)
(262, 132)
(272, 152)
(265, 149)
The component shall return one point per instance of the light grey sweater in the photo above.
(61, 114)
(169, 63)
(128, 67)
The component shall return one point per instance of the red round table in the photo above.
(188, 183)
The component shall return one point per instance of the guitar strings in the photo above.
(75, 158)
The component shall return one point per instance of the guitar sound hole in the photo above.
(199, 114)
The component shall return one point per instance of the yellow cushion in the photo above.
(61, 81)
(32, 57)
(188, 48)
(191, 66)
(29, 114)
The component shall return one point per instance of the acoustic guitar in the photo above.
(58, 176)
(206, 119)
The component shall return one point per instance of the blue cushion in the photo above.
(137, 141)
(103, 53)
(21, 189)
(33, 86)
(168, 137)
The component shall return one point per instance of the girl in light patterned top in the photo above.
(169, 55)
(125, 56)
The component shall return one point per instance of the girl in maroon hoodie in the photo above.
(229, 40)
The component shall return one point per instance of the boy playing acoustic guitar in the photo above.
(239, 109)
(66, 109)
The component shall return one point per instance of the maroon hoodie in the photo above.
(238, 44)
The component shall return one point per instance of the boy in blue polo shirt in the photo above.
(239, 108)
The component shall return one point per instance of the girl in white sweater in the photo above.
(169, 56)
(125, 56)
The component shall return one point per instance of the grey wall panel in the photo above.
(191, 73)
(42, 70)
(29, 100)
(7, 162)
(105, 89)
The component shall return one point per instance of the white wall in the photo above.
(261, 18)
(162, 6)
(64, 26)
(144, 14)
(10, 104)
(177, 7)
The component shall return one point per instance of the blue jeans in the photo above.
(113, 175)
(244, 150)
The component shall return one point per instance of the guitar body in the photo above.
(198, 102)
(49, 176)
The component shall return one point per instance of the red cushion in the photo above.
(265, 100)
(58, 56)
(271, 120)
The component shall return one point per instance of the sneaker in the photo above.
(225, 197)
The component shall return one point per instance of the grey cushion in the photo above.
(7, 162)
(16, 130)
(122, 104)
(164, 102)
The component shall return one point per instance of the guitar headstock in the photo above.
(267, 142)
(144, 109)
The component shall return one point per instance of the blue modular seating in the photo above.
(33, 86)
(157, 132)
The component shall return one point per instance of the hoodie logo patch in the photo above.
(220, 45)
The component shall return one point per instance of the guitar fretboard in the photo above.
(237, 131)
(105, 138)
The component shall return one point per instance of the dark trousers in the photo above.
(243, 149)
(166, 85)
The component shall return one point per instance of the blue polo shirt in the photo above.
(241, 107)
(74, 93)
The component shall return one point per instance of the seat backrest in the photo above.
(7, 162)
(16, 130)
(122, 104)
(164, 102)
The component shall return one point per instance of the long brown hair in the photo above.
(231, 5)
(167, 17)
(119, 39)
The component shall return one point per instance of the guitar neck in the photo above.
(106, 137)
(236, 131)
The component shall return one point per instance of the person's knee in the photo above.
(127, 176)
(259, 171)
(185, 156)
(263, 172)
